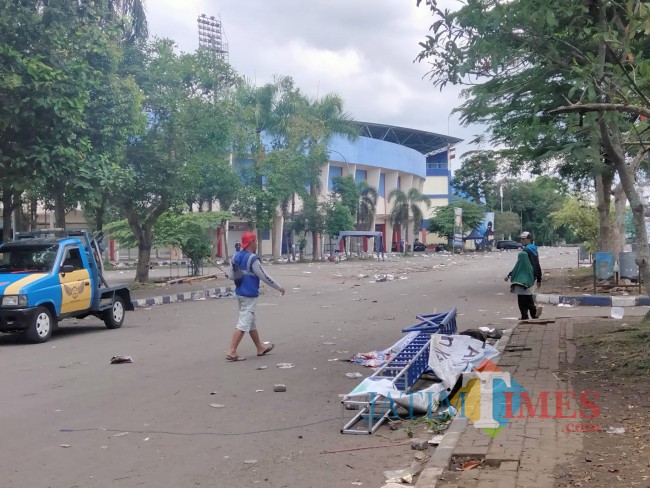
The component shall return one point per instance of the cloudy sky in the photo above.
(361, 49)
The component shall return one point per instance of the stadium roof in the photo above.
(422, 141)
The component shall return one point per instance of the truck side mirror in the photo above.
(66, 268)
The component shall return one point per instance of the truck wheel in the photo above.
(41, 326)
(114, 316)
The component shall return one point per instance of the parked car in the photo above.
(419, 246)
(50, 275)
(508, 245)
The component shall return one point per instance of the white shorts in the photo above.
(246, 321)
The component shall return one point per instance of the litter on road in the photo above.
(285, 365)
(121, 359)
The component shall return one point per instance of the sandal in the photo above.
(267, 350)
(235, 358)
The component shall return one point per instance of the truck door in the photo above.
(76, 290)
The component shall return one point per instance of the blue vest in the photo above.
(250, 283)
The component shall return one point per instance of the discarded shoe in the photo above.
(235, 358)
(267, 350)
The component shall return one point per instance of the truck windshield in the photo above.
(28, 259)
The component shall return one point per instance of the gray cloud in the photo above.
(361, 49)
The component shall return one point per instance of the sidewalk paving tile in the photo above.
(526, 450)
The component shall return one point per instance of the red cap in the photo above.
(247, 238)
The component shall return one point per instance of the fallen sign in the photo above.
(400, 374)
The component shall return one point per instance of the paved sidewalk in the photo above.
(527, 450)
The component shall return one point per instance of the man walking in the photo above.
(247, 292)
(527, 240)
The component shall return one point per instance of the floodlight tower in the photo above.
(212, 36)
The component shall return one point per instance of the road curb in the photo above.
(441, 457)
(219, 292)
(594, 300)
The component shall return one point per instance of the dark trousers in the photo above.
(526, 306)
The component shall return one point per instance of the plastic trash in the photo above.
(121, 359)
(353, 375)
(617, 313)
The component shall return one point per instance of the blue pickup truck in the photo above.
(47, 276)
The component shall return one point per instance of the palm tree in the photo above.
(329, 119)
(407, 204)
(367, 205)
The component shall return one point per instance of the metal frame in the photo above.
(403, 370)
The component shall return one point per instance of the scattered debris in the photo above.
(259, 391)
(250, 461)
(471, 464)
(285, 365)
(436, 440)
(120, 434)
(121, 359)
(419, 444)
(66, 445)
(404, 475)
(615, 430)
(384, 277)
(617, 313)
(491, 333)
(217, 405)
(329, 343)
(353, 375)
(279, 388)
(373, 359)
(261, 367)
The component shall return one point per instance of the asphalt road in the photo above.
(70, 419)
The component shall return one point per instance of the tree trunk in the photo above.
(293, 230)
(618, 227)
(7, 210)
(222, 238)
(99, 213)
(144, 235)
(259, 243)
(314, 235)
(611, 140)
(144, 258)
(274, 241)
(603, 204)
(59, 205)
(33, 214)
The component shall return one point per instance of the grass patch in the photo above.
(626, 350)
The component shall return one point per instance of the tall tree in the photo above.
(530, 60)
(442, 221)
(408, 205)
(162, 160)
(477, 178)
(367, 205)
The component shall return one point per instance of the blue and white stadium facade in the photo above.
(387, 157)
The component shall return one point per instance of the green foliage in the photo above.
(477, 178)
(406, 205)
(367, 205)
(507, 224)
(442, 222)
(337, 218)
(189, 232)
(120, 231)
(346, 189)
(560, 85)
(533, 201)
(581, 218)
